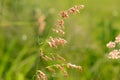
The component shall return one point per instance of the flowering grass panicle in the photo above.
(54, 42)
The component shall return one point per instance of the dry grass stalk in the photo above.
(50, 69)
(61, 68)
(37, 78)
(69, 65)
(41, 75)
(42, 23)
(61, 58)
(41, 52)
(44, 57)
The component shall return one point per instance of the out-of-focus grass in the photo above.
(87, 34)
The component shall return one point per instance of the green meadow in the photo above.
(87, 34)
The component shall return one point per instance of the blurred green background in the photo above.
(87, 34)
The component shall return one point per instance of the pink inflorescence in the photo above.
(117, 39)
(115, 53)
(111, 44)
